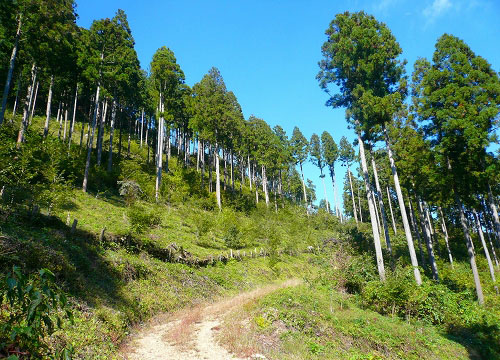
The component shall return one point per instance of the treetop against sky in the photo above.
(268, 51)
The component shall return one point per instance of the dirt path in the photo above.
(189, 334)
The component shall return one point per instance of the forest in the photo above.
(125, 193)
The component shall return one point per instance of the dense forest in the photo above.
(78, 114)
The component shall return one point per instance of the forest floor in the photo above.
(189, 334)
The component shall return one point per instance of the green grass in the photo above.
(315, 322)
(123, 280)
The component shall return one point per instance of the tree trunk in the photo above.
(89, 149)
(303, 184)
(111, 133)
(17, 98)
(428, 240)
(142, 125)
(34, 102)
(59, 120)
(11, 69)
(217, 170)
(445, 232)
(324, 190)
(65, 121)
(27, 102)
(371, 203)
(232, 169)
(382, 208)
(494, 211)
(49, 104)
(210, 162)
(249, 172)
(415, 229)
(359, 203)
(101, 133)
(72, 128)
(392, 214)
(159, 158)
(120, 127)
(354, 211)
(470, 250)
(264, 185)
(485, 248)
(409, 239)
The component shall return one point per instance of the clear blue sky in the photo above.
(268, 50)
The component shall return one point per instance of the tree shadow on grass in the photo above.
(39, 241)
(482, 340)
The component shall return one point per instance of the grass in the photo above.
(124, 279)
(314, 322)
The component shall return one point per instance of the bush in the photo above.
(141, 218)
(32, 308)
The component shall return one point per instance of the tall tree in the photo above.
(457, 101)
(300, 150)
(168, 77)
(347, 156)
(318, 159)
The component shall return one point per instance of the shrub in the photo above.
(33, 307)
(141, 218)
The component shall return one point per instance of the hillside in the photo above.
(159, 257)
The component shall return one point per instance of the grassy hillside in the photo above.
(145, 264)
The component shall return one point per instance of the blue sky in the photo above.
(268, 50)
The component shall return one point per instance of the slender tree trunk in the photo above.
(335, 195)
(142, 125)
(210, 162)
(417, 232)
(120, 127)
(159, 158)
(324, 190)
(34, 102)
(111, 133)
(428, 240)
(202, 163)
(249, 173)
(27, 102)
(494, 211)
(101, 133)
(59, 118)
(470, 250)
(382, 208)
(198, 157)
(11, 69)
(392, 214)
(303, 184)
(217, 170)
(379, 225)
(445, 232)
(371, 203)
(264, 185)
(89, 149)
(232, 169)
(65, 121)
(406, 225)
(352, 196)
(49, 104)
(359, 203)
(256, 187)
(16, 100)
(485, 248)
(72, 128)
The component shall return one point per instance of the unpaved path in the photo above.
(189, 334)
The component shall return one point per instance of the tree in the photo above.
(346, 155)
(457, 102)
(167, 78)
(300, 149)
(318, 159)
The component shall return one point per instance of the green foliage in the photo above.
(142, 218)
(130, 190)
(33, 309)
